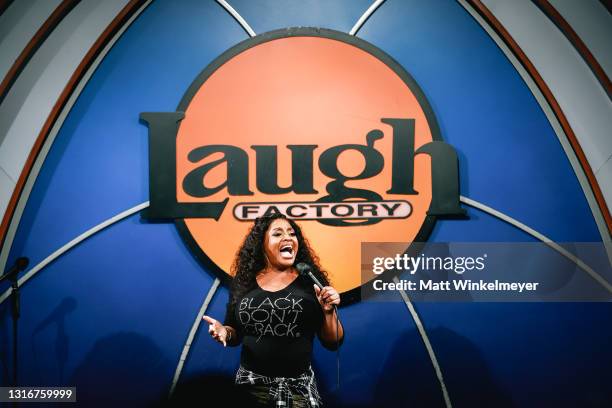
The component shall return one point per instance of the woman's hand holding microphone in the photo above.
(327, 297)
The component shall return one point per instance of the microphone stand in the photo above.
(11, 275)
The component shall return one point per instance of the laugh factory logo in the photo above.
(316, 124)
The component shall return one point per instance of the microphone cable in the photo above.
(337, 349)
(305, 270)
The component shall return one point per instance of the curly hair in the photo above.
(250, 257)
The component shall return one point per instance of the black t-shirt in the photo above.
(277, 328)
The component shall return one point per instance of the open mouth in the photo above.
(286, 251)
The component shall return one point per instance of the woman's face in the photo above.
(280, 244)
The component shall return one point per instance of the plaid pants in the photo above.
(286, 392)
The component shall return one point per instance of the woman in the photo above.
(275, 313)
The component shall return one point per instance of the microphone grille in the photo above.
(303, 268)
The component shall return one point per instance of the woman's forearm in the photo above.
(328, 330)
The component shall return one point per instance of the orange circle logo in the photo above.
(316, 124)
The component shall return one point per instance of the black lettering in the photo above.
(163, 127)
(237, 162)
(294, 215)
(402, 164)
(371, 208)
(319, 208)
(444, 180)
(390, 209)
(337, 190)
(272, 210)
(248, 209)
(301, 174)
(335, 208)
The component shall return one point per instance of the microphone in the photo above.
(305, 270)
